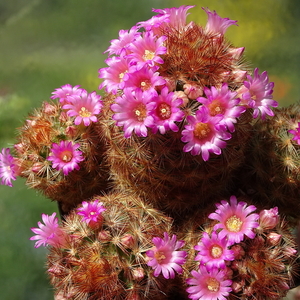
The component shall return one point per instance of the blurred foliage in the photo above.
(48, 43)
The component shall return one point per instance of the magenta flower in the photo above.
(215, 24)
(209, 284)
(91, 211)
(121, 44)
(49, 233)
(8, 168)
(132, 111)
(177, 15)
(155, 24)
(65, 157)
(115, 75)
(236, 219)
(296, 133)
(223, 102)
(146, 49)
(203, 134)
(213, 251)
(84, 107)
(164, 256)
(144, 79)
(166, 111)
(64, 91)
(257, 94)
(269, 218)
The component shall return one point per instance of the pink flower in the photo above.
(132, 111)
(209, 284)
(65, 157)
(91, 211)
(121, 44)
(165, 257)
(144, 79)
(146, 49)
(269, 218)
(84, 107)
(203, 134)
(223, 102)
(64, 91)
(155, 24)
(216, 24)
(296, 133)
(235, 220)
(49, 233)
(8, 168)
(257, 94)
(166, 111)
(213, 251)
(177, 15)
(115, 75)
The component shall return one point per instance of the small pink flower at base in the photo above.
(164, 256)
(91, 212)
(213, 251)
(65, 157)
(269, 218)
(49, 233)
(8, 168)
(84, 107)
(257, 94)
(236, 219)
(132, 111)
(209, 284)
(216, 24)
(166, 111)
(202, 136)
(64, 91)
(296, 134)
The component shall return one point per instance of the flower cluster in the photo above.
(153, 93)
(226, 255)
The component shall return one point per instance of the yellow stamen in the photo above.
(148, 55)
(234, 224)
(202, 130)
(84, 113)
(160, 256)
(213, 285)
(216, 251)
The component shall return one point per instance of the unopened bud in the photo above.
(269, 218)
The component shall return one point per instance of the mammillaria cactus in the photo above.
(184, 125)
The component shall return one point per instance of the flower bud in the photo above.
(269, 218)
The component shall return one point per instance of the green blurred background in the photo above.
(45, 44)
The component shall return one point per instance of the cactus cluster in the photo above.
(180, 182)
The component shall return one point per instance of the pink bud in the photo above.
(289, 251)
(192, 91)
(274, 238)
(49, 109)
(104, 236)
(237, 286)
(127, 240)
(71, 131)
(269, 218)
(37, 167)
(20, 148)
(236, 52)
(238, 251)
(183, 96)
(138, 274)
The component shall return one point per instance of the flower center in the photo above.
(121, 75)
(160, 256)
(202, 130)
(234, 224)
(164, 111)
(66, 156)
(148, 55)
(84, 113)
(216, 108)
(213, 284)
(140, 112)
(145, 85)
(216, 251)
